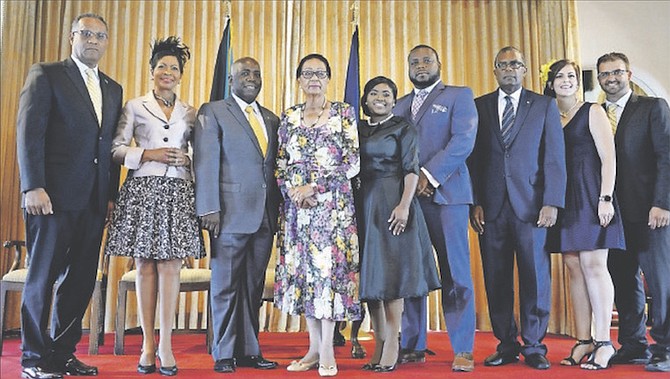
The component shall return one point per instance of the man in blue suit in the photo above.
(446, 120)
(519, 178)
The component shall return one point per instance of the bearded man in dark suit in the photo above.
(642, 138)
(67, 117)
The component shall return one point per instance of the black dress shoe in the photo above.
(537, 361)
(225, 365)
(75, 367)
(256, 361)
(659, 363)
(370, 366)
(148, 369)
(381, 368)
(338, 339)
(631, 357)
(38, 372)
(411, 356)
(499, 358)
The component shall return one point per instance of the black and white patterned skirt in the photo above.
(155, 218)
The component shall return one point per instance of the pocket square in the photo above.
(437, 108)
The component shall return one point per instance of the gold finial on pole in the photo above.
(355, 7)
(226, 8)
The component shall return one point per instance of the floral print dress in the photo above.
(317, 264)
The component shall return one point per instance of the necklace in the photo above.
(302, 115)
(370, 123)
(165, 101)
(567, 113)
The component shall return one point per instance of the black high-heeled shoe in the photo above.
(167, 370)
(574, 362)
(591, 363)
(146, 369)
(386, 368)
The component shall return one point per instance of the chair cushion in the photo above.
(18, 276)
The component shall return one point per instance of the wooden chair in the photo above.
(190, 279)
(15, 279)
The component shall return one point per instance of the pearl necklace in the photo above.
(370, 123)
(165, 101)
(302, 115)
(567, 113)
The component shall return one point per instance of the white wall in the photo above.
(639, 29)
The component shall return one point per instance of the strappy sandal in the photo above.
(570, 361)
(591, 363)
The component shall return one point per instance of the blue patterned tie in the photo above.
(418, 101)
(507, 121)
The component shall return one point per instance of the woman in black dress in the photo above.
(590, 223)
(396, 254)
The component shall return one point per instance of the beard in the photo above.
(420, 84)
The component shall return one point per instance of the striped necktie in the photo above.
(257, 128)
(418, 101)
(507, 121)
(94, 92)
(611, 115)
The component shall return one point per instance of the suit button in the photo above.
(265, 185)
(100, 138)
(95, 161)
(166, 126)
(506, 155)
(165, 139)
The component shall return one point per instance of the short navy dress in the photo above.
(578, 226)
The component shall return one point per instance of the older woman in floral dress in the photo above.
(317, 267)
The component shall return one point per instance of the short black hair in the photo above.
(87, 15)
(320, 57)
(437, 56)
(506, 49)
(611, 57)
(372, 83)
(169, 46)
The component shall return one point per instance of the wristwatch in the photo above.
(605, 198)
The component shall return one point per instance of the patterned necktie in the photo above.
(507, 121)
(95, 93)
(611, 115)
(257, 128)
(418, 101)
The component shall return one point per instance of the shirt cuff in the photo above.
(430, 177)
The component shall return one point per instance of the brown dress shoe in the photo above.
(463, 362)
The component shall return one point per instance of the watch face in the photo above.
(606, 198)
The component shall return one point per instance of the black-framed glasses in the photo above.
(87, 34)
(513, 65)
(607, 74)
(319, 74)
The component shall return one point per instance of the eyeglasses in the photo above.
(513, 65)
(319, 74)
(87, 34)
(607, 74)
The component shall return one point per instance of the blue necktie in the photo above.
(507, 121)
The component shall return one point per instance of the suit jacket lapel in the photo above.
(151, 105)
(628, 111)
(73, 73)
(428, 101)
(492, 108)
(242, 121)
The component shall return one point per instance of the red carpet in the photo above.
(193, 361)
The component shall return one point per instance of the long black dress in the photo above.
(392, 267)
(578, 226)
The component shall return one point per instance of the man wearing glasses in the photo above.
(519, 179)
(66, 121)
(642, 137)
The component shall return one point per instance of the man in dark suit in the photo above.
(642, 138)
(446, 121)
(67, 116)
(237, 198)
(519, 178)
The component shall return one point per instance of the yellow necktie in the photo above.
(95, 93)
(611, 115)
(257, 128)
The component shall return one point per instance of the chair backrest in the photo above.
(19, 247)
